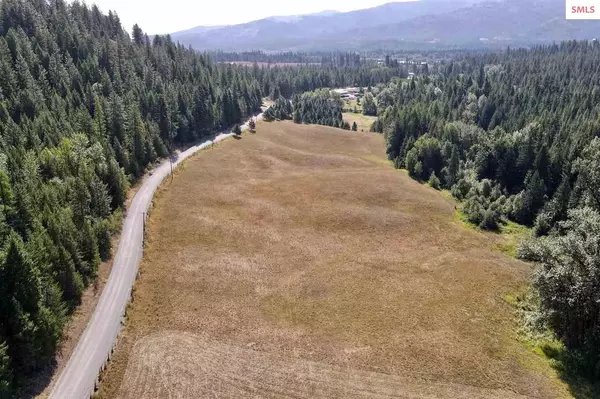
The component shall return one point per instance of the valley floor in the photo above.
(297, 262)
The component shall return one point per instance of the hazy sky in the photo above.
(167, 16)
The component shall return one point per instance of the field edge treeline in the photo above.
(515, 137)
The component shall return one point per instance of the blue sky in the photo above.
(155, 16)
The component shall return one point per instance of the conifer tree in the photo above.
(6, 375)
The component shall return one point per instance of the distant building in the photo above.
(348, 93)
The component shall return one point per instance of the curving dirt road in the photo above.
(78, 378)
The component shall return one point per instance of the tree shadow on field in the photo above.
(575, 370)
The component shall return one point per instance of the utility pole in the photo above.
(171, 160)
(143, 229)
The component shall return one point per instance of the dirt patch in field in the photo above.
(299, 248)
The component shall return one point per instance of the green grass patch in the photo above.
(447, 194)
(512, 233)
(461, 217)
(515, 229)
(510, 299)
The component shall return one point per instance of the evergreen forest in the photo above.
(515, 136)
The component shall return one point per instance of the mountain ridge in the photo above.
(401, 25)
(291, 32)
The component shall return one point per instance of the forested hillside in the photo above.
(84, 109)
(514, 135)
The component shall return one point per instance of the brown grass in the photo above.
(297, 262)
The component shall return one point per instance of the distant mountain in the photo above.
(417, 24)
(293, 32)
(203, 29)
(489, 23)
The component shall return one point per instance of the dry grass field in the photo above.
(296, 262)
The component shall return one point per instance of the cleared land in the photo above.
(296, 262)
(363, 122)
